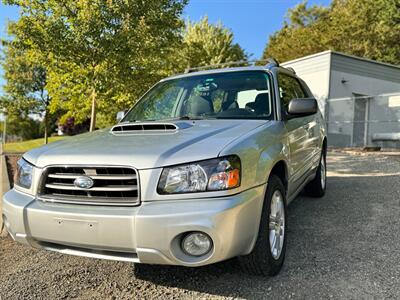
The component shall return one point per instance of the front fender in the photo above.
(259, 151)
(269, 157)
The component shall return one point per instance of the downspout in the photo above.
(327, 105)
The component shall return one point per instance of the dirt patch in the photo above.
(11, 161)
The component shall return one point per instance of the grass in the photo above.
(21, 147)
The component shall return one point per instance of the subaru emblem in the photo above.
(83, 182)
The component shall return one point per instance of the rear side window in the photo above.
(289, 88)
(246, 98)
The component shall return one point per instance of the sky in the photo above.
(252, 21)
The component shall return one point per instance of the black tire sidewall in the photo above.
(314, 188)
(260, 261)
(274, 184)
(326, 170)
(318, 177)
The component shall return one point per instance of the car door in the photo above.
(314, 122)
(299, 131)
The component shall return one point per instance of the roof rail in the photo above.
(233, 63)
(272, 62)
(290, 69)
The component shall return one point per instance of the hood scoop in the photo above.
(144, 128)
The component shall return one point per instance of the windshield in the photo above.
(231, 95)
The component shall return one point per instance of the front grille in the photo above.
(111, 185)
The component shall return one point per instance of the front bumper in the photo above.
(149, 233)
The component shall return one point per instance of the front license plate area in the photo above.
(76, 224)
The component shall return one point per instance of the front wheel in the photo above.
(268, 254)
(317, 187)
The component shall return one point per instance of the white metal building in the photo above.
(360, 98)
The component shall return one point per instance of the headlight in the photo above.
(208, 175)
(23, 176)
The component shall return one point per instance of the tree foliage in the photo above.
(209, 44)
(98, 52)
(25, 92)
(104, 54)
(367, 28)
(25, 82)
(23, 127)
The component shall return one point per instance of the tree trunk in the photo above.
(46, 129)
(93, 114)
(5, 130)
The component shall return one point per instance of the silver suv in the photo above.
(200, 170)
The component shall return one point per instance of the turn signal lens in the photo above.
(226, 175)
(233, 178)
(224, 180)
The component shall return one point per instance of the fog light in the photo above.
(196, 244)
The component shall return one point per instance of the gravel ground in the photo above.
(343, 246)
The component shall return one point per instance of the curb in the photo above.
(359, 152)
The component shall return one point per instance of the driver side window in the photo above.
(289, 88)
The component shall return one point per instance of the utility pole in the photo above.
(93, 113)
(4, 127)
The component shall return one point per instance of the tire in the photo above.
(261, 261)
(316, 187)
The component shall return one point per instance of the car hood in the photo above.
(193, 141)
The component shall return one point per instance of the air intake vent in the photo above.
(131, 128)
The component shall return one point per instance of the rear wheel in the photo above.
(317, 187)
(268, 254)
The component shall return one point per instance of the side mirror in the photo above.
(302, 107)
(120, 115)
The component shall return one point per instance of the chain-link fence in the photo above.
(362, 121)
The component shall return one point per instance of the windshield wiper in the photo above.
(190, 118)
(185, 117)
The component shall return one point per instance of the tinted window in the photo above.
(289, 88)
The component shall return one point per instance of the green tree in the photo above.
(23, 127)
(367, 28)
(24, 88)
(209, 44)
(98, 54)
